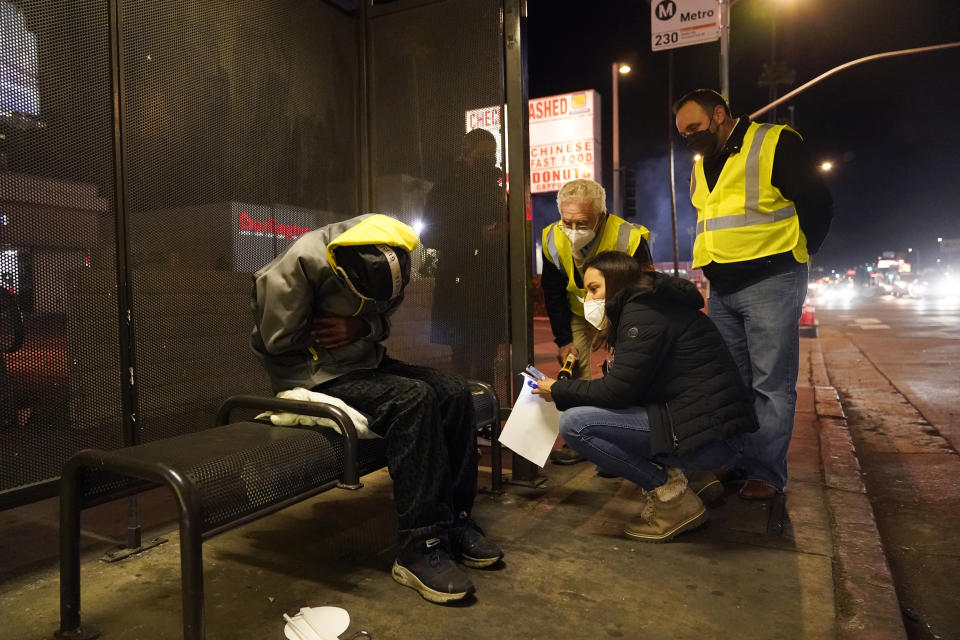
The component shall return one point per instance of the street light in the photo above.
(617, 69)
(826, 165)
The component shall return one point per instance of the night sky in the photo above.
(891, 127)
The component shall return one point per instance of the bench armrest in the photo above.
(351, 446)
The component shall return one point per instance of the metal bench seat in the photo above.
(227, 475)
(221, 478)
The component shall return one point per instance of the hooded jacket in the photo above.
(670, 359)
(302, 284)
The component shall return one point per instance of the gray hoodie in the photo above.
(301, 284)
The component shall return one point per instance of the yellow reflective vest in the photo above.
(616, 235)
(745, 217)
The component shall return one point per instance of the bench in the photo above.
(224, 477)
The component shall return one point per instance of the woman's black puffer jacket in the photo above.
(669, 358)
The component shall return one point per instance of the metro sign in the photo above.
(680, 23)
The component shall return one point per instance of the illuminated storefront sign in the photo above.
(564, 137)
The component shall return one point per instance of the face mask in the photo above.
(579, 238)
(703, 142)
(594, 313)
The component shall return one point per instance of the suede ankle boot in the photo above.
(671, 508)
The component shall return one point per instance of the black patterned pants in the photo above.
(426, 417)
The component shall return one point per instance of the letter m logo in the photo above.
(665, 9)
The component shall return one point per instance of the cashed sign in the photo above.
(564, 137)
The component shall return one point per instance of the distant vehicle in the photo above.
(946, 286)
(842, 292)
(909, 285)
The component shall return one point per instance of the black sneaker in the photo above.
(470, 546)
(427, 568)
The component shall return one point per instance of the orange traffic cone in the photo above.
(808, 322)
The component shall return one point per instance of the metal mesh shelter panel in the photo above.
(429, 65)
(59, 368)
(240, 134)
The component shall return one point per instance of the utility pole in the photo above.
(615, 79)
(723, 7)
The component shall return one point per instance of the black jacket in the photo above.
(669, 358)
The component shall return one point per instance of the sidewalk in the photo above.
(809, 566)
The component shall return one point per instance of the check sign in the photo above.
(680, 23)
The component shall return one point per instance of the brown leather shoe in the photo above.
(757, 490)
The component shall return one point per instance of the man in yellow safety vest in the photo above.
(762, 209)
(584, 230)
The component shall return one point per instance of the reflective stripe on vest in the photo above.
(623, 236)
(552, 250)
(716, 207)
(745, 219)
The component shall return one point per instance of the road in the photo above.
(896, 365)
(915, 343)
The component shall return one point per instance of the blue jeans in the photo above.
(618, 441)
(759, 323)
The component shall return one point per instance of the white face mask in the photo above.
(593, 311)
(579, 238)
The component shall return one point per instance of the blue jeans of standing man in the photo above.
(618, 441)
(760, 324)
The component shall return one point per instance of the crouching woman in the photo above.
(671, 400)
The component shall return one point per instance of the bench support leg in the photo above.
(70, 560)
(191, 570)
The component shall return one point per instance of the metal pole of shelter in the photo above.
(673, 181)
(130, 403)
(518, 202)
(363, 114)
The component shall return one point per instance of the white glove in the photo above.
(285, 419)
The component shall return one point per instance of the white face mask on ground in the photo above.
(579, 238)
(594, 313)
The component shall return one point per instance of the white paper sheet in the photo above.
(532, 427)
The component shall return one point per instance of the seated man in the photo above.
(321, 310)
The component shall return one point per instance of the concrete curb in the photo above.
(867, 605)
